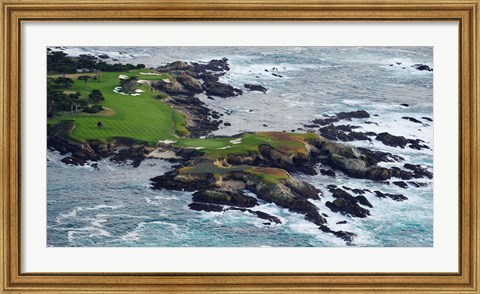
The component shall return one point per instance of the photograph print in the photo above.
(239, 146)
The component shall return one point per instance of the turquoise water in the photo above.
(114, 206)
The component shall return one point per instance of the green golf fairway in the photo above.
(142, 117)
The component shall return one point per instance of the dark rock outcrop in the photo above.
(286, 193)
(341, 116)
(220, 89)
(216, 65)
(325, 121)
(374, 156)
(190, 83)
(259, 214)
(184, 182)
(354, 190)
(422, 67)
(347, 128)
(345, 236)
(396, 197)
(208, 207)
(197, 115)
(136, 155)
(233, 198)
(329, 132)
(401, 184)
(412, 119)
(73, 161)
(295, 162)
(359, 136)
(417, 184)
(402, 174)
(419, 171)
(58, 139)
(348, 204)
(172, 87)
(258, 88)
(327, 172)
(391, 140)
(353, 114)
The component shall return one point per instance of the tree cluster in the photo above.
(60, 62)
(58, 100)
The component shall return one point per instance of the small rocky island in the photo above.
(235, 173)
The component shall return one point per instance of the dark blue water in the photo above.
(114, 206)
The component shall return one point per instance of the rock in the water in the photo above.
(417, 184)
(378, 173)
(396, 197)
(359, 136)
(234, 198)
(346, 128)
(404, 105)
(374, 156)
(412, 119)
(391, 140)
(258, 88)
(205, 207)
(419, 171)
(325, 121)
(259, 214)
(302, 189)
(401, 184)
(327, 172)
(266, 216)
(348, 204)
(136, 155)
(329, 132)
(402, 174)
(184, 182)
(353, 114)
(220, 89)
(345, 236)
(73, 161)
(354, 190)
(417, 144)
(422, 67)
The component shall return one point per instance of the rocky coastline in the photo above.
(227, 183)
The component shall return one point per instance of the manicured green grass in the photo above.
(268, 175)
(220, 147)
(142, 118)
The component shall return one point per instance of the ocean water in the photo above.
(115, 207)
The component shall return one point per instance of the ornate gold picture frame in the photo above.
(15, 13)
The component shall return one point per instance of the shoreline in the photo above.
(337, 156)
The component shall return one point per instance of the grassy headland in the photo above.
(142, 117)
